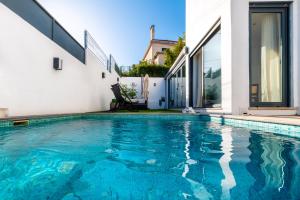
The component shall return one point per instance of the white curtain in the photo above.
(271, 68)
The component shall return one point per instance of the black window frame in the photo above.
(283, 8)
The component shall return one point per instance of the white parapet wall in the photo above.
(30, 86)
(156, 90)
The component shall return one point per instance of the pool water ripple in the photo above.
(146, 158)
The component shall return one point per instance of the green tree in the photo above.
(173, 53)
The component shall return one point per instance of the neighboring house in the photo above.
(155, 51)
(242, 58)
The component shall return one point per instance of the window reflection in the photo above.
(212, 71)
(206, 78)
(274, 165)
(177, 89)
(229, 181)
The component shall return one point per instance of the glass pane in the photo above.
(171, 91)
(197, 79)
(212, 71)
(177, 89)
(266, 58)
(179, 83)
(183, 86)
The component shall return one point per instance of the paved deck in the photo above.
(287, 120)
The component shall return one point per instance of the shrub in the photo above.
(146, 68)
(172, 54)
(131, 92)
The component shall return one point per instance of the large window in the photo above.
(206, 73)
(268, 55)
(177, 89)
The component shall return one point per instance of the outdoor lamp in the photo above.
(57, 63)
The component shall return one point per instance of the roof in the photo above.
(170, 42)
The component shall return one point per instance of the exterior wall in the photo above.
(234, 15)
(149, 55)
(201, 15)
(296, 52)
(155, 47)
(240, 56)
(30, 86)
(155, 92)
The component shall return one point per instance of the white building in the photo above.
(30, 40)
(243, 57)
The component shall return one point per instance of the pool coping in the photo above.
(278, 125)
(260, 123)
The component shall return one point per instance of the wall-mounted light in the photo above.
(57, 63)
(103, 75)
(118, 79)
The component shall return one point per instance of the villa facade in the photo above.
(155, 50)
(242, 57)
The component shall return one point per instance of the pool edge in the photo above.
(290, 130)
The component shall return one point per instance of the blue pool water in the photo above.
(146, 157)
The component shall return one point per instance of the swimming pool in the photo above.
(146, 157)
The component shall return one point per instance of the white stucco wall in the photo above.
(30, 86)
(155, 92)
(234, 14)
(201, 15)
(296, 53)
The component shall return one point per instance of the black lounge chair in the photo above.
(124, 102)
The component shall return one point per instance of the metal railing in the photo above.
(113, 65)
(92, 45)
(109, 62)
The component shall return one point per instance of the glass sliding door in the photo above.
(177, 89)
(268, 56)
(212, 72)
(206, 67)
(183, 88)
(171, 91)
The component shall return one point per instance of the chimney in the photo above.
(152, 32)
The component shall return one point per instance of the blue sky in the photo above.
(121, 27)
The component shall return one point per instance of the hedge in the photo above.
(151, 70)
